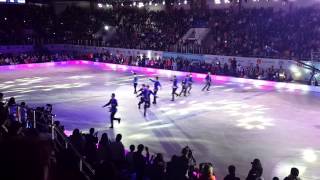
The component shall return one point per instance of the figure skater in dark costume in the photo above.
(113, 109)
(183, 87)
(155, 89)
(141, 90)
(146, 93)
(189, 83)
(208, 82)
(174, 87)
(135, 82)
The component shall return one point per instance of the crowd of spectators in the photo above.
(27, 58)
(108, 158)
(263, 32)
(232, 68)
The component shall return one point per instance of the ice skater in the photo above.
(189, 83)
(135, 82)
(183, 87)
(157, 85)
(208, 82)
(141, 90)
(146, 93)
(113, 109)
(174, 87)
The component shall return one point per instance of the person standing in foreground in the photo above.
(135, 82)
(155, 89)
(174, 87)
(113, 109)
(208, 82)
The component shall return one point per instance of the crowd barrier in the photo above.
(298, 73)
(263, 84)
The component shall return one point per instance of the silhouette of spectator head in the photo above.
(275, 178)
(185, 151)
(132, 148)
(207, 170)
(118, 137)
(158, 158)
(256, 163)
(140, 148)
(91, 131)
(104, 137)
(11, 101)
(294, 172)
(23, 104)
(232, 169)
(1, 97)
(76, 132)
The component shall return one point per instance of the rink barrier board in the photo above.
(151, 71)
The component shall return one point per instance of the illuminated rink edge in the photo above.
(145, 70)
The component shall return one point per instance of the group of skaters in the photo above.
(145, 92)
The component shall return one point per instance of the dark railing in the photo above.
(57, 136)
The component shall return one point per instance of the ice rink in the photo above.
(231, 124)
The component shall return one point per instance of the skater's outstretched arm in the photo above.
(141, 93)
(107, 104)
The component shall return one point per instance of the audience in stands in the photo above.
(179, 64)
(207, 173)
(232, 173)
(104, 151)
(294, 174)
(9, 59)
(256, 170)
(263, 32)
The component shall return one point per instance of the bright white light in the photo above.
(140, 4)
(218, 1)
(106, 27)
(309, 155)
(150, 3)
(149, 54)
(258, 122)
(100, 5)
(134, 3)
(156, 4)
(158, 126)
(179, 3)
(227, 1)
(296, 72)
(121, 4)
(283, 168)
(138, 136)
(163, 3)
(185, 2)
